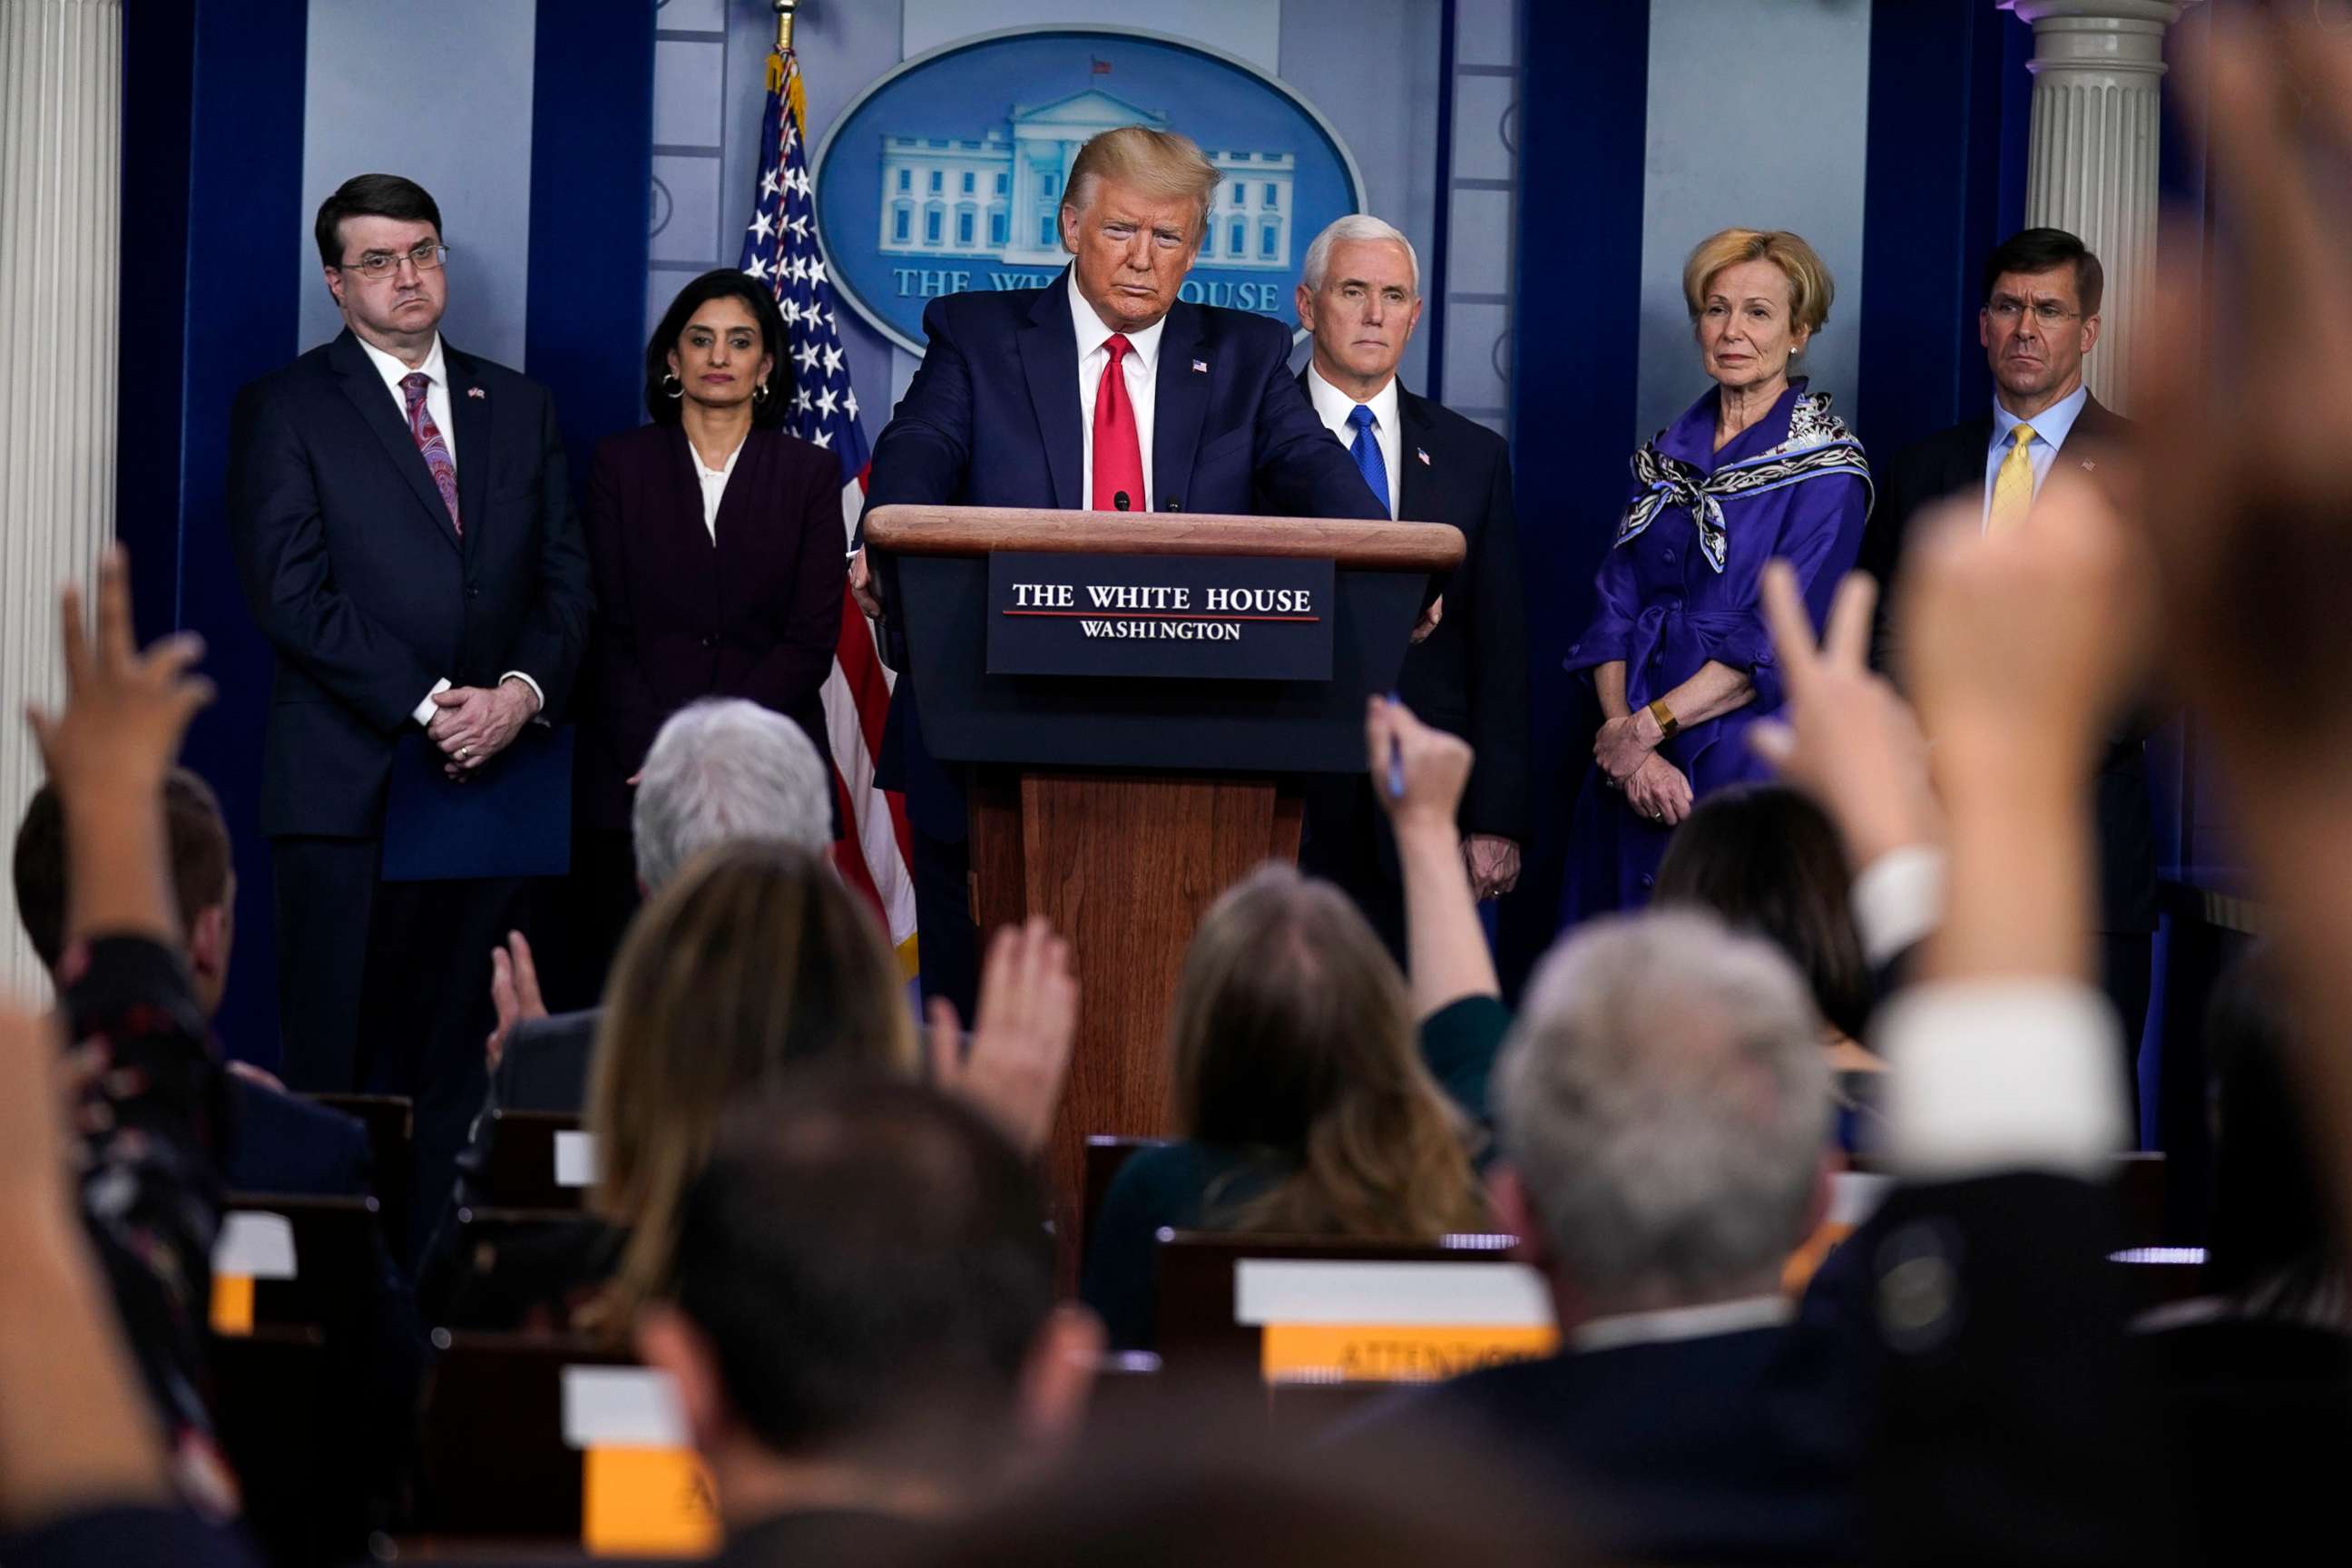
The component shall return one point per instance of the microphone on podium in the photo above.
(1118, 500)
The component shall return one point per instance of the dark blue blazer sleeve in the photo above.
(549, 645)
(279, 540)
(922, 452)
(1302, 469)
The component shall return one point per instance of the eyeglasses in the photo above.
(2007, 310)
(381, 264)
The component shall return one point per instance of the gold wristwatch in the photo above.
(1668, 725)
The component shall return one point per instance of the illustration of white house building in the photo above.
(997, 198)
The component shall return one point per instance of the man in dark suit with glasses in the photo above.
(405, 534)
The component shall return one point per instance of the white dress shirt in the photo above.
(1333, 407)
(1993, 1075)
(714, 484)
(1668, 1324)
(2051, 428)
(1140, 365)
(437, 404)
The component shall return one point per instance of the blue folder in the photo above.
(510, 817)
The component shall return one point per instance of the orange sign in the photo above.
(646, 1503)
(1388, 1352)
(232, 1303)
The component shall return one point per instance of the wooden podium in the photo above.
(1121, 808)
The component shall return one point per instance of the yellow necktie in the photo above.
(2012, 486)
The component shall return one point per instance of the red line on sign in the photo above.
(1155, 616)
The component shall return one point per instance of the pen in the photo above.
(1396, 761)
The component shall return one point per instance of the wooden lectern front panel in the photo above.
(1125, 865)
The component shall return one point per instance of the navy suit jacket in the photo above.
(755, 614)
(365, 587)
(282, 1143)
(992, 419)
(1469, 677)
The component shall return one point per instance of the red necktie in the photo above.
(1118, 454)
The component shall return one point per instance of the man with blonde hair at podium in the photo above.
(1012, 408)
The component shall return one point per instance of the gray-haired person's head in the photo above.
(1361, 226)
(723, 770)
(1664, 1100)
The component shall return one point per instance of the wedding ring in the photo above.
(464, 752)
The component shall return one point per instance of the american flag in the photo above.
(780, 249)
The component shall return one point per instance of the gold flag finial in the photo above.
(784, 9)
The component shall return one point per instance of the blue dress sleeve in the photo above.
(1820, 539)
(1610, 634)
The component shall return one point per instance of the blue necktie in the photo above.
(1367, 453)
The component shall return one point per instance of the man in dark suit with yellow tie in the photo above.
(2040, 319)
(405, 535)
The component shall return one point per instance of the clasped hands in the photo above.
(1627, 750)
(476, 722)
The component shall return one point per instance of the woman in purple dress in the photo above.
(1756, 470)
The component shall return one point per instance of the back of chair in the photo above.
(538, 1160)
(391, 1123)
(1269, 1307)
(328, 1275)
(1105, 1157)
(495, 1462)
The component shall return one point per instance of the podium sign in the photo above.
(1231, 617)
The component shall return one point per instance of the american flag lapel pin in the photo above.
(1199, 367)
(478, 391)
(1423, 453)
(2088, 464)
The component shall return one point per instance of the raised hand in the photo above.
(1021, 1040)
(1844, 736)
(514, 993)
(2029, 639)
(1418, 772)
(2250, 465)
(125, 710)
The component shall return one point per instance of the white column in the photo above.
(60, 177)
(2092, 164)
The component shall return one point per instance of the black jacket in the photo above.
(1469, 677)
(1952, 463)
(365, 587)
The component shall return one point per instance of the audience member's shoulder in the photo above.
(284, 1144)
(545, 1065)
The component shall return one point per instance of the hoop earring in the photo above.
(671, 386)
(760, 393)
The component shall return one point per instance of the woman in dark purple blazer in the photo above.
(717, 544)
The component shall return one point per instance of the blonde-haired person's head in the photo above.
(752, 969)
(1132, 216)
(1757, 297)
(1810, 285)
(1160, 164)
(1292, 1040)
